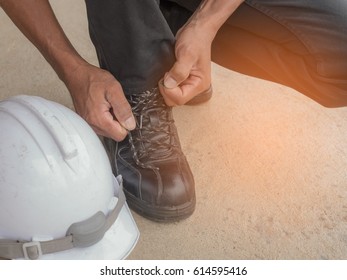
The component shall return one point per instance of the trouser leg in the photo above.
(133, 41)
(301, 44)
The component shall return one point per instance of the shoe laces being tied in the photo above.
(153, 139)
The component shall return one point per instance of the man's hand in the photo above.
(99, 99)
(191, 73)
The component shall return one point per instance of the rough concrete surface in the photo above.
(270, 164)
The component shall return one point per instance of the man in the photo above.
(156, 54)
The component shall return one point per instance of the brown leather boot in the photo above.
(158, 182)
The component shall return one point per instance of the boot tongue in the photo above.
(158, 133)
(153, 138)
(153, 116)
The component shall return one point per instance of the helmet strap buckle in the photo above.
(32, 250)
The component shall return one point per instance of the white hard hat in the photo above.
(58, 196)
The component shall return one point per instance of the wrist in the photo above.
(68, 66)
(212, 14)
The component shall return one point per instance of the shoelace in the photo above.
(148, 139)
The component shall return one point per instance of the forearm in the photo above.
(212, 14)
(38, 23)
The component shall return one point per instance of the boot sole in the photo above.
(201, 97)
(160, 214)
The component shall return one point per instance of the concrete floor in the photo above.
(270, 165)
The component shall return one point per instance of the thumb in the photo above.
(178, 73)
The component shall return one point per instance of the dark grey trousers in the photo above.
(299, 43)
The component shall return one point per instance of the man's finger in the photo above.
(178, 73)
(181, 94)
(120, 106)
(111, 128)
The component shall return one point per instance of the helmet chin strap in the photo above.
(80, 234)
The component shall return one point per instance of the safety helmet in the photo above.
(58, 196)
